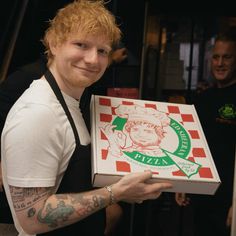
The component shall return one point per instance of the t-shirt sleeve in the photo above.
(32, 146)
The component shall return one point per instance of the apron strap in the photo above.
(52, 82)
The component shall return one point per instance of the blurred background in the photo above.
(168, 43)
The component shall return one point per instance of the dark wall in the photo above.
(28, 46)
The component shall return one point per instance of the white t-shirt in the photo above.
(38, 141)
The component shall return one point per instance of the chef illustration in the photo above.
(142, 132)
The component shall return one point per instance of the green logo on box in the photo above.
(177, 158)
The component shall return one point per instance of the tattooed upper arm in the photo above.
(25, 199)
(27, 203)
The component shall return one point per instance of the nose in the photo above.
(220, 61)
(91, 56)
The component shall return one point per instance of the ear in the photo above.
(53, 46)
(110, 59)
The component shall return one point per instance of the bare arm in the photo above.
(40, 211)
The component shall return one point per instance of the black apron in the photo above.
(77, 178)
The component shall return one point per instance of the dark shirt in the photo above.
(216, 108)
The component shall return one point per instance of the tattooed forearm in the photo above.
(55, 210)
(55, 215)
(67, 205)
(97, 200)
(88, 205)
(24, 198)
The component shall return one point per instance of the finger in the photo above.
(144, 176)
(163, 186)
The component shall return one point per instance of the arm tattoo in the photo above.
(88, 206)
(26, 198)
(54, 215)
(58, 213)
(31, 212)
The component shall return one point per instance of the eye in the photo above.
(215, 57)
(228, 57)
(81, 45)
(103, 52)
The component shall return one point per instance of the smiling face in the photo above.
(144, 135)
(78, 43)
(223, 63)
(80, 62)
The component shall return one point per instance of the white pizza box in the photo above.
(132, 135)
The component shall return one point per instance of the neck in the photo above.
(73, 92)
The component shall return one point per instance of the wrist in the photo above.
(112, 199)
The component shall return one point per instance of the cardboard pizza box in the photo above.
(132, 135)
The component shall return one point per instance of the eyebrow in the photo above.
(107, 46)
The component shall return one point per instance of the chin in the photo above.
(220, 77)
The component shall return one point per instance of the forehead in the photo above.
(98, 39)
(224, 47)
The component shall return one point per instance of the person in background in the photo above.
(216, 107)
(45, 143)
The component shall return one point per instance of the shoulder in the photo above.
(17, 82)
(20, 79)
(207, 93)
(37, 103)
